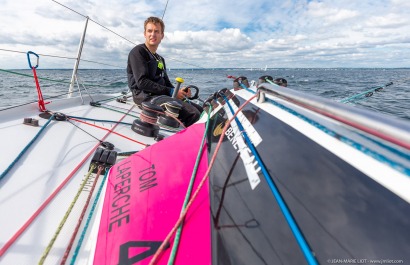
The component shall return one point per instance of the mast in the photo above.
(77, 62)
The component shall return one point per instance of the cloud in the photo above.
(213, 33)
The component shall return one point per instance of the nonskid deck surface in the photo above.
(47, 164)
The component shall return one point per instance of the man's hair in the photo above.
(154, 20)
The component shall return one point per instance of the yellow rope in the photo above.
(60, 227)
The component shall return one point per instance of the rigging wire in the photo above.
(56, 81)
(165, 9)
(64, 57)
(99, 24)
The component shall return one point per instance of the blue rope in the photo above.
(83, 233)
(25, 149)
(355, 97)
(276, 193)
(177, 238)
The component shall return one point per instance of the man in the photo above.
(147, 75)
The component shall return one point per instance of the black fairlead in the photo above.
(107, 145)
(58, 116)
(105, 158)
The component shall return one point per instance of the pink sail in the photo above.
(143, 201)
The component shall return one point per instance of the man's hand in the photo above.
(184, 92)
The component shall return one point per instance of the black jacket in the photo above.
(144, 74)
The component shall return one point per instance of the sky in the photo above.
(209, 34)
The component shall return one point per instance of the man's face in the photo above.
(153, 34)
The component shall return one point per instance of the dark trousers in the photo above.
(188, 114)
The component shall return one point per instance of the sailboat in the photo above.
(267, 175)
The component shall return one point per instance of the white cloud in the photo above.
(213, 33)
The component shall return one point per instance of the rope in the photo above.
(104, 27)
(181, 218)
(189, 191)
(356, 97)
(70, 208)
(51, 80)
(70, 245)
(90, 215)
(276, 193)
(46, 79)
(118, 111)
(367, 93)
(163, 127)
(51, 197)
(135, 112)
(97, 120)
(126, 137)
(372, 131)
(25, 150)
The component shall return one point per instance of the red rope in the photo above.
(70, 245)
(183, 214)
(56, 191)
(100, 127)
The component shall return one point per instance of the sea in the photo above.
(17, 87)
